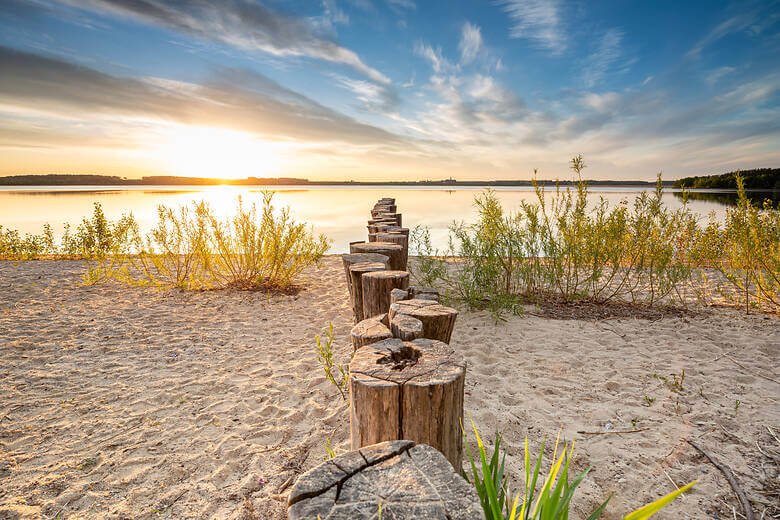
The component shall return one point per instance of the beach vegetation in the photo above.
(553, 497)
(559, 249)
(190, 247)
(336, 373)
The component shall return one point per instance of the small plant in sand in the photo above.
(557, 490)
(336, 373)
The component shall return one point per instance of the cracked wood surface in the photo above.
(409, 480)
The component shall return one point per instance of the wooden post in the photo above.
(356, 272)
(369, 331)
(396, 238)
(423, 293)
(438, 320)
(377, 287)
(393, 251)
(408, 390)
(409, 480)
(397, 295)
(406, 328)
(351, 259)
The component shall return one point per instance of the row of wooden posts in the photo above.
(406, 388)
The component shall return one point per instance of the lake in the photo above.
(338, 211)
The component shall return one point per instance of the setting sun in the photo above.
(216, 153)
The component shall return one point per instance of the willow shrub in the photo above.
(194, 248)
(745, 250)
(559, 247)
(190, 247)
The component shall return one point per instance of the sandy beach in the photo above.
(120, 402)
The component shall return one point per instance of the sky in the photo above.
(388, 89)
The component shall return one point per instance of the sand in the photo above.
(120, 402)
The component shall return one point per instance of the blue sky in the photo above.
(388, 89)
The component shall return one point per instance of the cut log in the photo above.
(408, 390)
(377, 287)
(401, 240)
(438, 320)
(423, 293)
(351, 259)
(411, 482)
(369, 331)
(398, 295)
(393, 251)
(396, 217)
(356, 272)
(398, 229)
(372, 237)
(406, 328)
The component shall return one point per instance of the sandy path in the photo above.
(120, 402)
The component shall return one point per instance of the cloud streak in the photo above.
(237, 99)
(538, 21)
(244, 25)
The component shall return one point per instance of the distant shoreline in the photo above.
(107, 180)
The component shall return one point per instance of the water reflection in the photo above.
(730, 197)
(339, 212)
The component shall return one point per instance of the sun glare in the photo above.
(216, 153)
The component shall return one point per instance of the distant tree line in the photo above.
(758, 179)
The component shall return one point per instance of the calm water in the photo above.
(339, 212)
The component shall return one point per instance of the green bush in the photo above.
(558, 248)
(189, 248)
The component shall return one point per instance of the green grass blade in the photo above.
(652, 508)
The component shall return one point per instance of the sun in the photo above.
(191, 151)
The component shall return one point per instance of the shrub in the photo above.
(189, 248)
(558, 248)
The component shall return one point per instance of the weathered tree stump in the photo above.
(423, 293)
(411, 482)
(406, 328)
(396, 238)
(438, 320)
(377, 287)
(408, 390)
(393, 251)
(398, 229)
(349, 260)
(369, 331)
(356, 272)
(398, 295)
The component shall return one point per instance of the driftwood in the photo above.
(369, 331)
(356, 272)
(393, 251)
(438, 320)
(349, 260)
(746, 507)
(395, 238)
(377, 287)
(406, 328)
(408, 390)
(410, 481)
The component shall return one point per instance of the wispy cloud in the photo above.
(538, 21)
(734, 24)
(602, 60)
(434, 55)
(236, 99)
(374, 97)
(245, 25)
(717, 74)
(470, 42)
